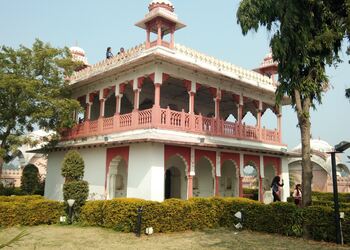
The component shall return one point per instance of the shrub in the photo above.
(74, 187)
(198, 213)
(23, 198)
(10, 190)
(322, 196)
(30, 212)
(77, 190)
(251, 193)
(73, 166)
(30, 180)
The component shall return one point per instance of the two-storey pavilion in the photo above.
(162, 120)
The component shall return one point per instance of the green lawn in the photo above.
(74, 237)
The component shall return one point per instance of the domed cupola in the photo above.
(268, 67)
(166, 4)
(78, 55)
(160, 20)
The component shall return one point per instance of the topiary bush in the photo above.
(73, 166)
(77, 190)
(74, 187)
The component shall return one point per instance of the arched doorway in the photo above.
(229, 182)
(270, 173)
(203, 181)
(251, 181)
(117, 178)
(175, 184)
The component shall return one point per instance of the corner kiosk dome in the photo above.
(317, 145)
(78, 55)
(160, 9)
(161, 3)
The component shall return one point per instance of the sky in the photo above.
(211, 29)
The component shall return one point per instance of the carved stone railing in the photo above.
(171, 120)
(199, 57)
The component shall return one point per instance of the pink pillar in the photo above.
(261, 195)
(157, 94)
(88, 111)
(239, 113)
(258, 119)
(102, 107)
(217, 108)
(148, 36)
(191, 102)
(117, 104)
(279, 125)
(172, 37)
(159, 37)
(190, 186)
(136, 99)
(240, 186)
(217, 193)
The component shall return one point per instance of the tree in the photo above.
(307, 36)
(347, 93)
(74, 187)
(33, 93)
(30, 180)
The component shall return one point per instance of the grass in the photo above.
(75, 237)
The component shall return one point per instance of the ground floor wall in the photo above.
(157, 171)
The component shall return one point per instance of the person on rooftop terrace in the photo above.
(109, 53)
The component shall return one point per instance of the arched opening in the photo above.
(269, 120)
(173, 94)
(269, 174)
(229, 182)
(110, 105)
(228, 107)
(95, 108)
(117, 178)
(81, 115)
(204, 102)
(250, 181)
(249, 119)
(175, 185)
(147, 94)
(127, 100)
(203, 182)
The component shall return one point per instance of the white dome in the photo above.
(164, 4)
(167, 2)
(78, 54)
(317, 145)
(77, 50)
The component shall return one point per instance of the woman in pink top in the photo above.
(297, 195)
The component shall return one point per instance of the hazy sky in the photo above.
(211, 28)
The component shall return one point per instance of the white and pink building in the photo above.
(162, 120)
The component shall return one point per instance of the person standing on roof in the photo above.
(109, 53)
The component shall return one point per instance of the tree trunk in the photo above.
(302, 105)
(306, 161)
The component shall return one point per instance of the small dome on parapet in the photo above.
(161, 3)
(78, 55)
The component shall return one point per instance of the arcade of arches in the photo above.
(177, 95)
(190, 172)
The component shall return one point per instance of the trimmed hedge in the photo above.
(321, 196)
(198, 213)
(31, 212)
(22, 198)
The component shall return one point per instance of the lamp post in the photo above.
(339, 148)
(70, 204)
